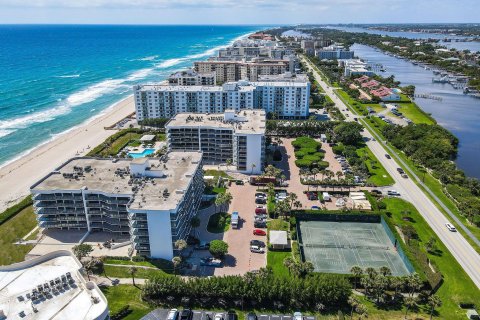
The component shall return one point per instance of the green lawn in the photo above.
(378, 175)
(275, 261)
(414, 113)
(11, 231)
(122, 272)
(277, 224)
(219, 222)
(161, 264)
(457, 286)
(122, 295)
(217, 173)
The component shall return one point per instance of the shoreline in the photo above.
(18, 175)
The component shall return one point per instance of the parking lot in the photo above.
(161, 314)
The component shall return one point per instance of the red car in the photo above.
(259, 232)
(260, 211)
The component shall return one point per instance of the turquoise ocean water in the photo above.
(53, 78)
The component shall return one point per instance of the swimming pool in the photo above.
(142, 154)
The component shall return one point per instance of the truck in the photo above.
(234, 220)
(262, 181)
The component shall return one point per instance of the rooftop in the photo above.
(160, 186)
(246, 121)
(49, 287)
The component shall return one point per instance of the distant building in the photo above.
(334, 52)
(235, 136)
(355, 67)
(308, 46)
(288, 99)
(192, 78)
(226, 71)
(150, 199)
(385, 94)
(50, 287)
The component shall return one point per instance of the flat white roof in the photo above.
(70, 299)
(147, 137)
(278, 237)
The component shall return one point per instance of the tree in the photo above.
(431, 244)
(410, 303)
(288, 262)
(385, 271)
(433, 302)
(227, 199)
(357, 273)
(176, 263)
(82, 250)
(253, 167)
(413, 283)
(348, 133)
(361, 309)
(218, 248)
(353, 302)
(229, 163)
(195, 223)
(133, 270)
(180, 245)
(90, 266)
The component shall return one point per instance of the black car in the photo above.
(251, 316)
(260, 201)
(186, 314)
(387, 156)
(257, 243)
(231, 315)
(400, 170)
(260, 224)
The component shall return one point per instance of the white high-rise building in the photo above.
(288, 99)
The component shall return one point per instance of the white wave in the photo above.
(69, 76)
(150, 58)
(4, 133)
(170, 63)
(93, 92)
(37, 117)
(142, 73)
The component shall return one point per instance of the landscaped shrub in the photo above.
(138, 258)
(12, 211)
(122, 313)
(338, 149)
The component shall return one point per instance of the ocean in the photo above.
(54, 78)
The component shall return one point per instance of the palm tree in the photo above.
(253, 167)
(227, 198)
(315, 171)
(361, 309)
(180, 245)
(357, 273)
(353, 302)
(434, 302)
(195, 223)
(297, 204)
(219, 201)
(176, 262)
(385, 271)
(229, 163)
(133, 270)
(413, 282)
(410, 302)
(288, 262)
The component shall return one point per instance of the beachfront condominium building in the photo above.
(235, 136)
(192, 78)
(149, 200)
(226, 71)
(288, 99)
(356, 67)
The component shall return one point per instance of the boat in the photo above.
(440, 80)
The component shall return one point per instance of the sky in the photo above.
(252, 12)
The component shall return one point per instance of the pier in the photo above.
(427, 96)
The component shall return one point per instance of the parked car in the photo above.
(257, 243)
(260, 195)
(239, 182)
(172, 314)
(210, 262)
(297, 316)
(315, 208)
(387, 156)
(260, 201)
(260, 210)
(218, 316)
(258, 232)
(203, 245)
(251, 316)
(261, 217)
(450, 227)
(260, 224)
(312, 195)
(186, 314)
(257, 249)
(376, 192)
(231, 315)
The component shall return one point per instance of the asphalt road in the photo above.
(459, 247)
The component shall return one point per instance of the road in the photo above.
(458, 246)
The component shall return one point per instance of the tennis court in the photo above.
(336, 247)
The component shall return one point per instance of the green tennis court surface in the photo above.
(336, 247)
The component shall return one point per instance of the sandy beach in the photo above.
(17, 177)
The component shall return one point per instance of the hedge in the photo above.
(14, 210)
